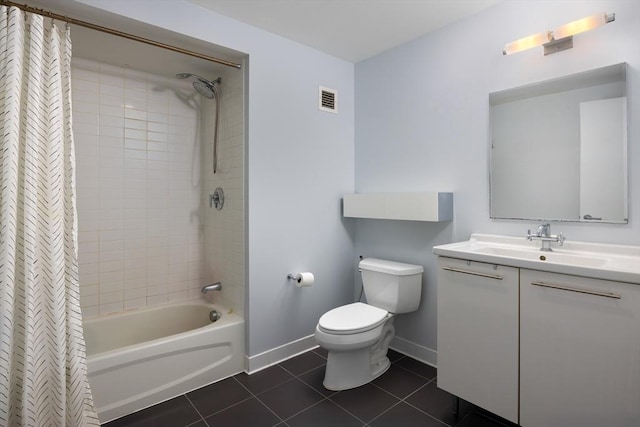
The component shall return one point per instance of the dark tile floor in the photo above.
(291, 394)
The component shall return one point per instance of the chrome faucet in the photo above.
(543, 233)
(544, 230)
(214, 287)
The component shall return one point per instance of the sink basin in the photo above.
(537, 255)
(610, 262)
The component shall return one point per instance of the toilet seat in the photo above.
(352, 319)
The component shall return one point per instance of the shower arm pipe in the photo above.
(114, 32)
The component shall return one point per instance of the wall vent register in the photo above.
(328, 100)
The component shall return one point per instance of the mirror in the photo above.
(559, 149)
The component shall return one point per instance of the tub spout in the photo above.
(215, 287)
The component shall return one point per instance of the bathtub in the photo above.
(140, 358)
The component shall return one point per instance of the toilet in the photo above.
(357, 335)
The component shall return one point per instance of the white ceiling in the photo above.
(350, 29)
(353, 30)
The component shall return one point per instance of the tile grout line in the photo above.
(415, 373)
(384, 412)
(353, 415)
(428, 381)
(223, 409)
(324, 398)
(345, 409)
(255, 396)
(196, 409)
(305, 383)
(420, 410)
(302, 373)
(404, 400)
(268, 388)
(429, 415)
(308, 407)
(282, 420)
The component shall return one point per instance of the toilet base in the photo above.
(354, 368)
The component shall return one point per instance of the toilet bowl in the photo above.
(357, 335)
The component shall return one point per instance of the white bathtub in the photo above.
(144, 357)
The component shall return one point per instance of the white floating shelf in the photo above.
(423, 206)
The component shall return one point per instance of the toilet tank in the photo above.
(393, 286)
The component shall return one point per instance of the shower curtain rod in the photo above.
(114, 32)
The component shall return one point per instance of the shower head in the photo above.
(206, 88)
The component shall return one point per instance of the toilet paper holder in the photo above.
(301, 279)
(296, 277)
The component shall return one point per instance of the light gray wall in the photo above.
(422, 117)
(300, 162)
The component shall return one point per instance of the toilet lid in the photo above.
(352, 318)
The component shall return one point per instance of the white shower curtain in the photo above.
(43, 374)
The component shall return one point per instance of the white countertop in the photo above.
(603, 261)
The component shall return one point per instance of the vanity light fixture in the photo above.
(560, 38)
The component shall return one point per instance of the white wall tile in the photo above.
(138, 153)
(135, 124)
(153, 301)
(85, 102)
(89, 312)
(86, 86)
(135, 134)
(89, 300)
(157, 118)
(86, 128)
(111, 97)
(135, 144)
(140, 242)
(81, 74)
(157, 127)
(135, 114)
(112, 121)
(112, 80)
(111, 308)
(109, 110)
(111, 296)
(135, 303)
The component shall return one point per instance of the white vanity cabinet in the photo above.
(579, 351)
(557, 337)
(478, 334)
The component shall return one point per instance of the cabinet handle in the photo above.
(473, 273)
(579, 290)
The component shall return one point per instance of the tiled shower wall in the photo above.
(139, 188)
(224, 231)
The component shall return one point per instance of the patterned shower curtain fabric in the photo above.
(43, 372)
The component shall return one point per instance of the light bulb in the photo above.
(527, 43)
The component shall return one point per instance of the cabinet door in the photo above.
(579, 352)
(478, 334)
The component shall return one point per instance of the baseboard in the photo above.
(287, 351)
(416, 351)
(276, 355)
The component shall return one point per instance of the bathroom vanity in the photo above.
(541, 338)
